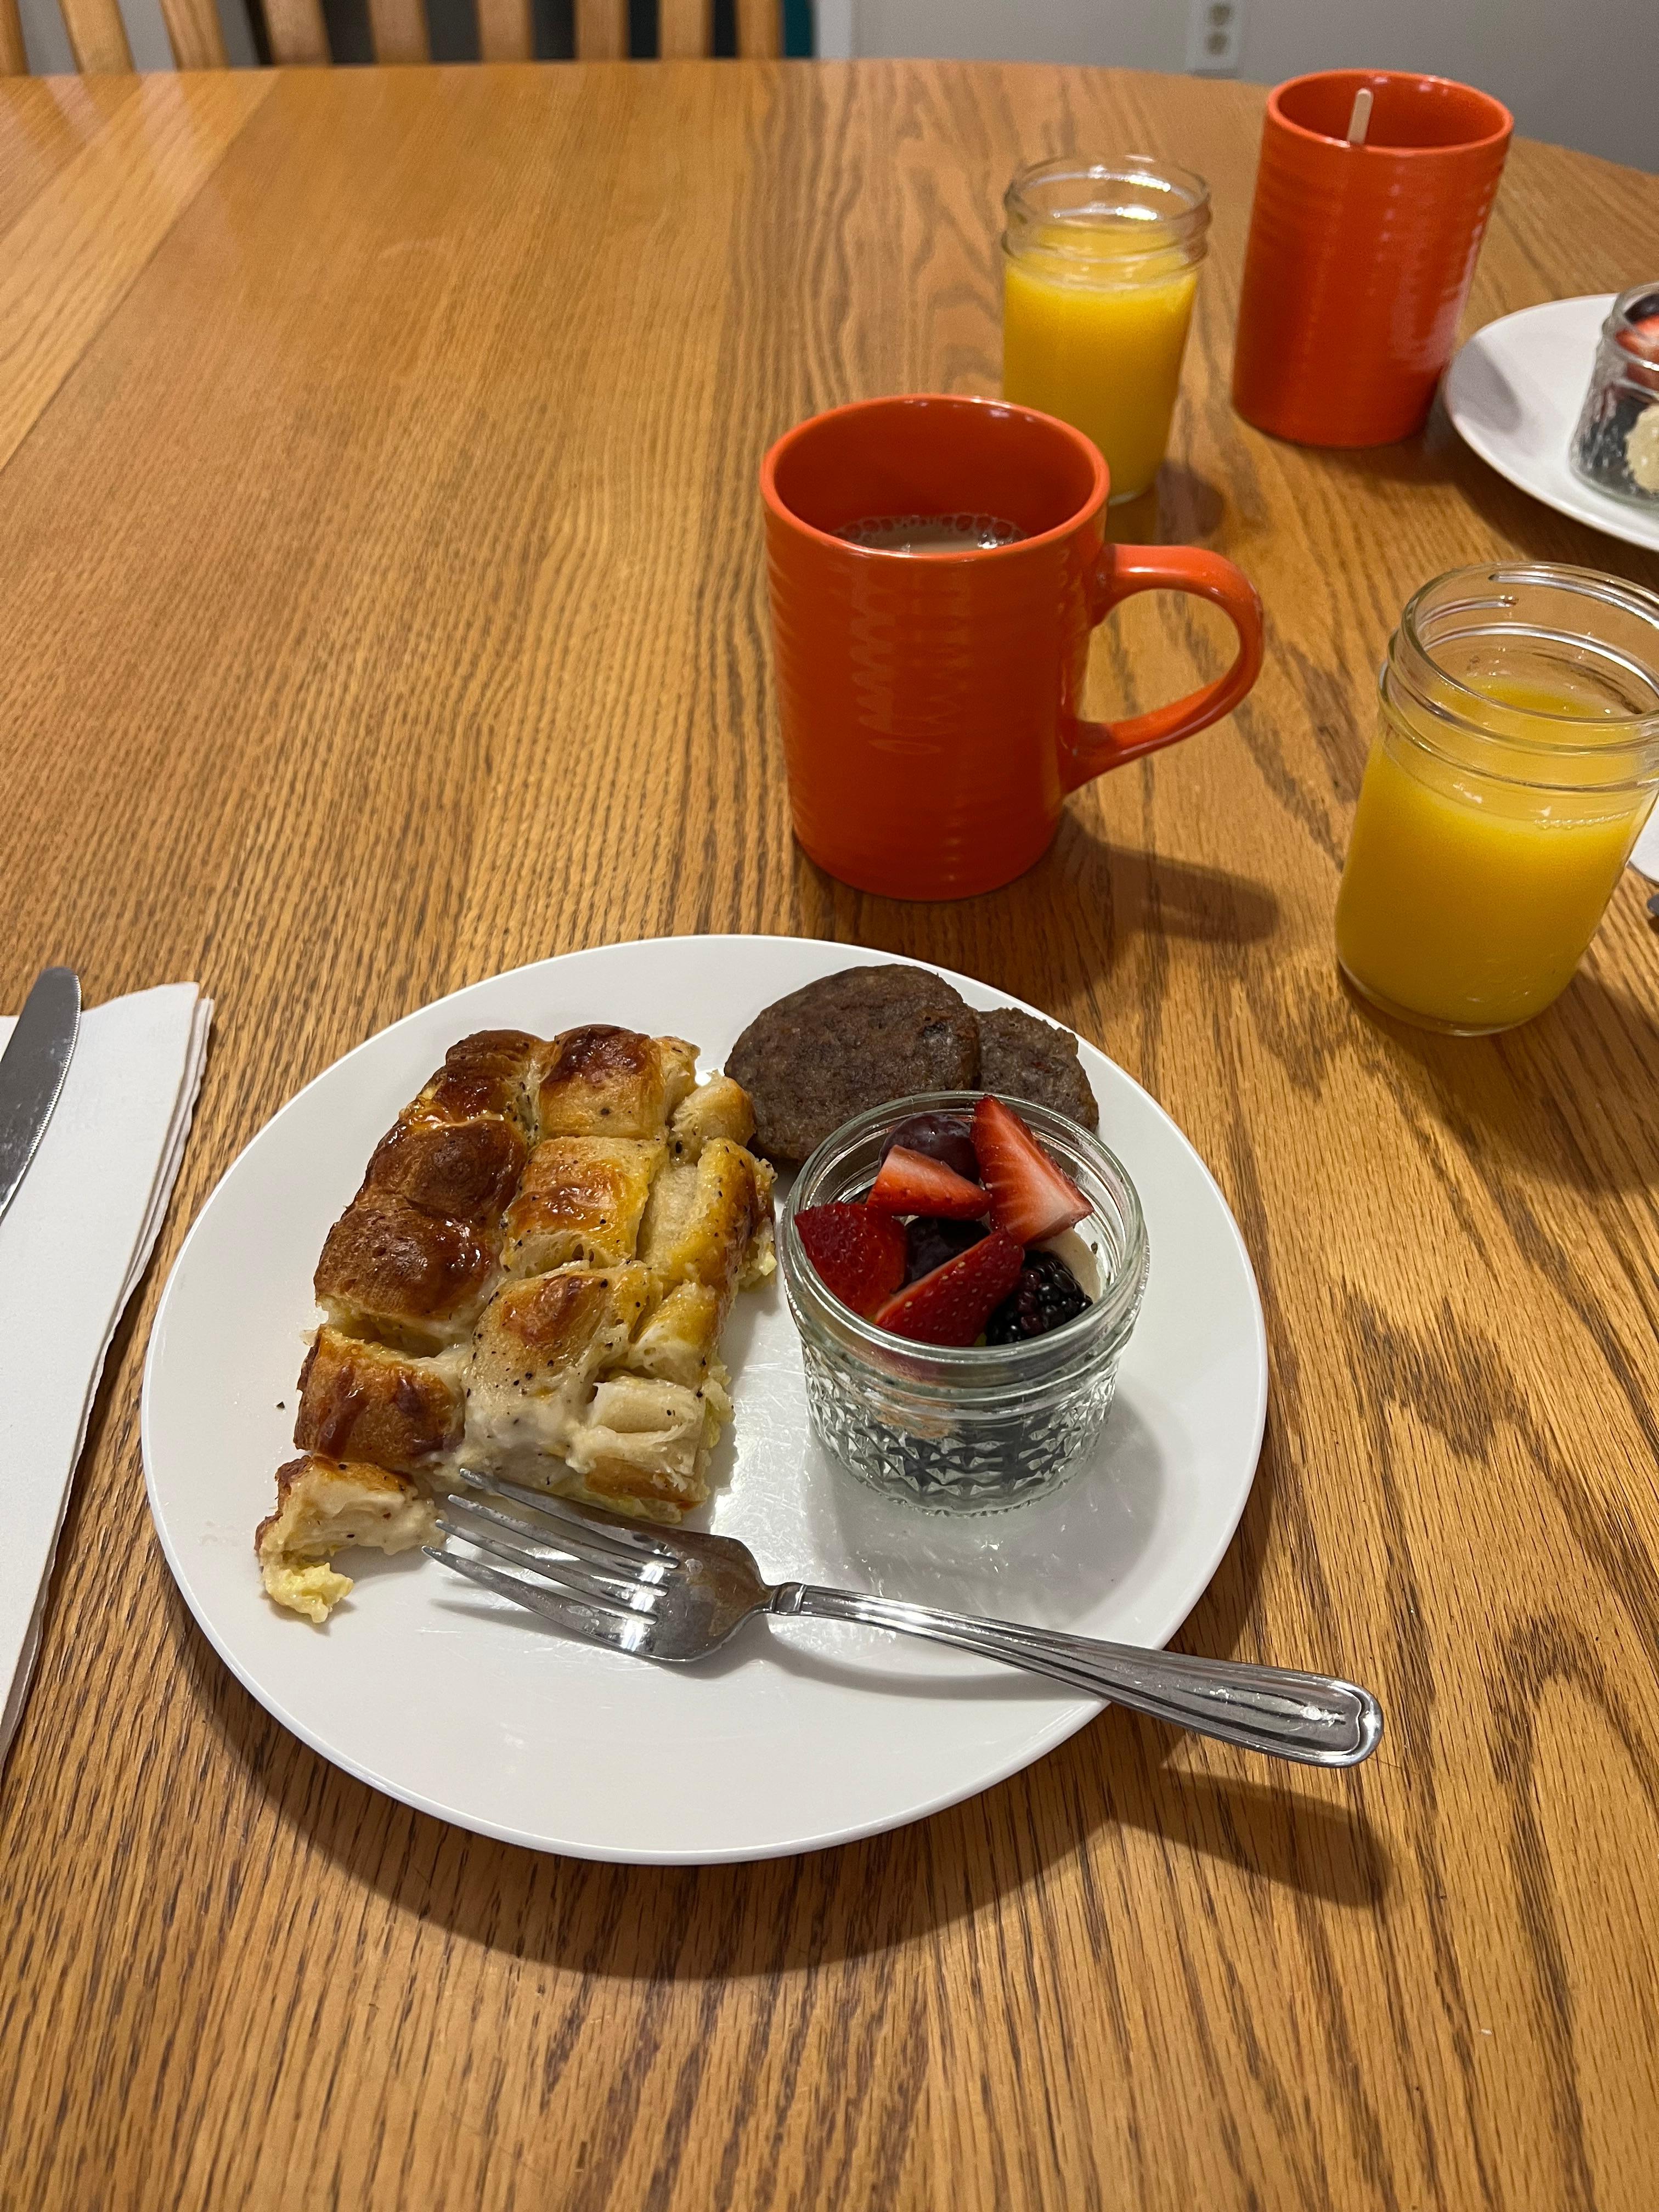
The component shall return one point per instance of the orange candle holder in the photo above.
(1361, 257)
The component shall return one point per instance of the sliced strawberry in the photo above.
(910, 1182)
(1030, 1197)
(858, 1254)
(952, 1304)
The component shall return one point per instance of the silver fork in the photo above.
(680, 1595)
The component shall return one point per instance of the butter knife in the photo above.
(31, 1071)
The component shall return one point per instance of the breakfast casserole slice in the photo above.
(636, 1417)
(322, 1505)
(531, 1282)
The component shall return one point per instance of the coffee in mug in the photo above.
(931, 705)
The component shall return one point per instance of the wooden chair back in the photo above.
(299, 37)
(98, 38)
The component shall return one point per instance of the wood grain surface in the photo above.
(77, 246)
(97, 35)
(298, 35)
(383, 607)
(506, 30)
(14, 54)
(600, 28)
(196, 35)
(399, 29)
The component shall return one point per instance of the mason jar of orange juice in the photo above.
(1515, 759)
(1100, 263)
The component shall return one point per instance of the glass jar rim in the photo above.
(1635, 735)
(1186, 218)
(961, 1365)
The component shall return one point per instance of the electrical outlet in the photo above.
(1215, 37)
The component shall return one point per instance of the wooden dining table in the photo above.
(382, 606)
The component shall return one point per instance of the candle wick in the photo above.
(1359, 120)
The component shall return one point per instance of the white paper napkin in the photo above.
(72, 1248)
(1646, 854)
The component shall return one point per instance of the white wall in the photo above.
(1584, 73)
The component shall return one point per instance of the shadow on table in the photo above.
(859, 1901)
(1543, 533)
(1181, 507)
(1568, 1095)
(1438, 456)
(1121, 895)
(1054, 935)
(1150, 892)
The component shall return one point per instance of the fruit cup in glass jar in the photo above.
(1615, 448)
(977, 1427)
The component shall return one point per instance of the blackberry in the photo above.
(930, 1242)
(1047, 1294)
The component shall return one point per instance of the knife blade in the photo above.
(31, 1071)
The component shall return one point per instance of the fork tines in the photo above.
(598, 1577)
(568, 1512)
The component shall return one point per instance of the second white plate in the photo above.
(799, 1733)
(1514, 392)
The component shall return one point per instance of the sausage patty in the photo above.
(1020, 1057)
(846, 1043)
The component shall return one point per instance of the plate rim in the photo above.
(1075, 1717)
(1601, 511)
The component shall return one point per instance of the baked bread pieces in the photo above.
(536, 1359)
(363, 1401)
(582, 1199)
(413, 1258)
(322, 1505)
(605, 1082)
(530, 1283)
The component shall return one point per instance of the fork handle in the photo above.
(1315, 1718)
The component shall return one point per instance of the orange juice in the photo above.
(1498, 807)
(1103, 353)
(1100, 267)
(1475, 914)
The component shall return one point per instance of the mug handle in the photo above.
(1091, 748)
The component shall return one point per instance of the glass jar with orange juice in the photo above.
(1100, 264)
(1515, 762)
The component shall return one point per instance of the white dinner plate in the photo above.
(1514, 392)
(799, 1733)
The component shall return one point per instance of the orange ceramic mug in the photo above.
(929, 701)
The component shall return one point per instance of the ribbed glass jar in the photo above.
(980, 1428)
(1100, 264)
(1515, 760)
(1616, 445)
